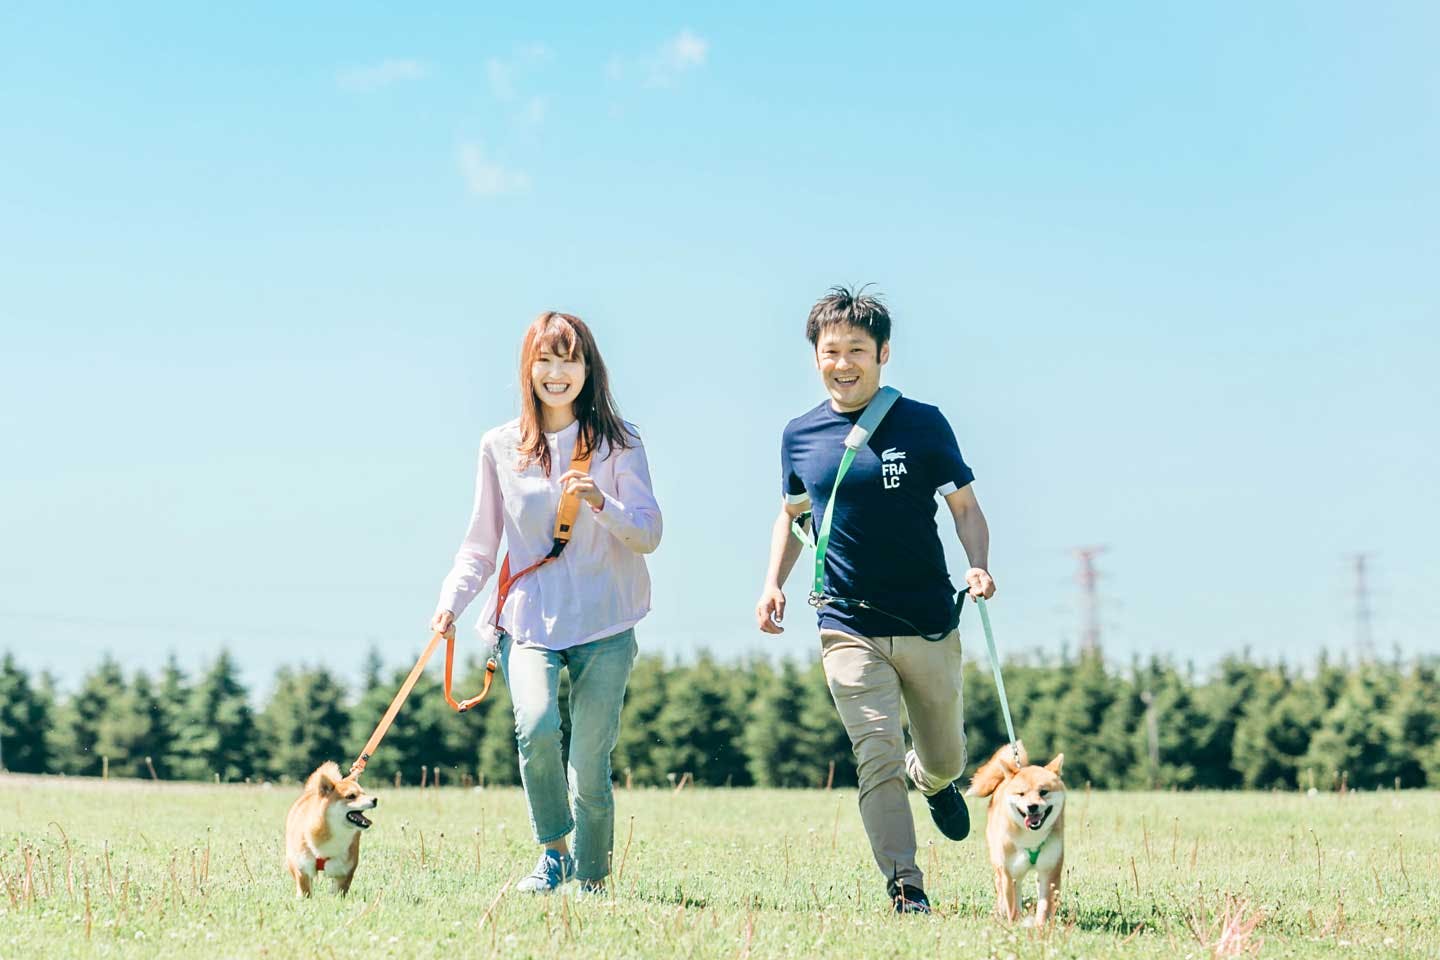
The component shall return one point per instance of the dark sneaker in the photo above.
(948, 810)
(907, 899)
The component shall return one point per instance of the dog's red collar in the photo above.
(319, 864)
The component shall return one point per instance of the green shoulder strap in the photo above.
(858, 436)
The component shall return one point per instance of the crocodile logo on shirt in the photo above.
(892, 468)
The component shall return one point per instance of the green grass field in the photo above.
(128, 869)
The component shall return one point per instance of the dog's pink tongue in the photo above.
(1034, 820)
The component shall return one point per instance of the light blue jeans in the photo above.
(599, 671)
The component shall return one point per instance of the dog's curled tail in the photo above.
(997, 769)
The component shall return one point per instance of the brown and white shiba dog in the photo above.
(322, 830)
(1025, 828)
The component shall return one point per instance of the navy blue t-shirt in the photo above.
(884, 545)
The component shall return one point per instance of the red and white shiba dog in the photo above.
(1025, 828)
(322, 830)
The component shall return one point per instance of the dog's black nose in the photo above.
(1033, 808)
(375, 801)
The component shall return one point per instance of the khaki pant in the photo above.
(869, 677)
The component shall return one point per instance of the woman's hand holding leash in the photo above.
(444, 622)
(580, 484)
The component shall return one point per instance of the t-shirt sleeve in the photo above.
(951, 471)
(791, 484)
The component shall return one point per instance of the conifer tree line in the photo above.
(752, 722)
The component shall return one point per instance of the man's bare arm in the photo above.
(974, 534)
(784, 551)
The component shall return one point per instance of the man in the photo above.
(888, 612)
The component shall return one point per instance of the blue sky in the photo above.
(1168, 268)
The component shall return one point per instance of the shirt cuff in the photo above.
(612, 516)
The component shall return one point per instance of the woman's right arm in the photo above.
(475, 560)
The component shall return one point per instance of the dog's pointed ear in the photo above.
(324, 779)
(1054, 765)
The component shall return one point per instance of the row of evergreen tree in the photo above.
(753, 722)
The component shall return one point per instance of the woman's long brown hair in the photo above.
(567, 336)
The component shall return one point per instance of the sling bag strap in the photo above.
(564, 529)
(858, 436)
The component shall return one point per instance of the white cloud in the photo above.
(486, 178)
(683, 52)
(379, 75)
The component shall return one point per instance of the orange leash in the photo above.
(358, 767)
(564, 527)
(464, 705)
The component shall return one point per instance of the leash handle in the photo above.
(999, 680)
(464, 705)
(358, 767)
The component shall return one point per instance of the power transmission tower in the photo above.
(1152, 733)
(1364, 634)
(1088, 578)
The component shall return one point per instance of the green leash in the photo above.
(999, 680)
(1034, 854)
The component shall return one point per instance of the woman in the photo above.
(576, 612)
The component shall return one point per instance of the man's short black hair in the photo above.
(846, 307)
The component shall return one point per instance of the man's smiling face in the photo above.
(849, 362)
